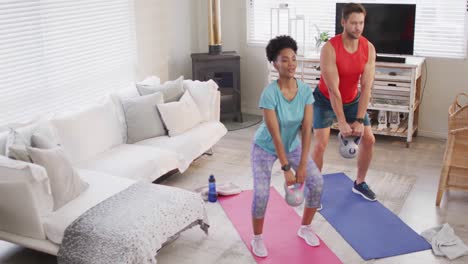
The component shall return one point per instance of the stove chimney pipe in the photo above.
(214, 27)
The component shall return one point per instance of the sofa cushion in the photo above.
(101, 187)
(204, 94)
(142, 117)
(172, 90)
(86, 133)
(134, 162)
(65, 181)
(190, 144)
(180, 116)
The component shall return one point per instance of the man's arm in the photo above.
(332, 80)
(367, 79)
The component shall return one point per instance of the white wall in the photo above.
(168, 31)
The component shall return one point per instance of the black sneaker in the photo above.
(364, 190)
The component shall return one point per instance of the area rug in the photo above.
(248, 120)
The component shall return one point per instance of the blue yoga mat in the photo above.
(370, 228)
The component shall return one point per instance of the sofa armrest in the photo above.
(20, 215)
(216, 107)
(25, 198)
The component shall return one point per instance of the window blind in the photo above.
(440, 28)
(59, 55)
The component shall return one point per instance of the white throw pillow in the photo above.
(142, 117)
(42, 142)
(65, 182)
(172, 90)
(31, 174)
(19, 137)
(204, 94)
(180, 116)
(117, 98)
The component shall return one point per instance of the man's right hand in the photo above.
(289, 177)
(345, 129)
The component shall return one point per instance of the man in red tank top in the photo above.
(346, 60)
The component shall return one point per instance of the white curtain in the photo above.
(57, 55)
(440, 28)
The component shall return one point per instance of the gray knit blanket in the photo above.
(131, 226)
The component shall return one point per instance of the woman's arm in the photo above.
(306, 134)
(272, 124)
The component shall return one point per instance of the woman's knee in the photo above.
(313, 191)
(314, 183)
(260, 201)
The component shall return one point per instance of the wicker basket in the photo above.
(455, 167)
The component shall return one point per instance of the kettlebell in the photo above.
(294, 195)
(349, 146)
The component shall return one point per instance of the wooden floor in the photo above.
(421, 161)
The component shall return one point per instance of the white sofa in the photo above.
(93, 141)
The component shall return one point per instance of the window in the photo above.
(58, 55)
(440, 29)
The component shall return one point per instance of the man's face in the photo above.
(354, 25)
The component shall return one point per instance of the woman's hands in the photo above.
(300, 176)
(289, 177)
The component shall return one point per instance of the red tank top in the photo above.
(350, 67)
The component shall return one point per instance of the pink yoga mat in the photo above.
(279, 231)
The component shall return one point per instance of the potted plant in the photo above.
(321, 38)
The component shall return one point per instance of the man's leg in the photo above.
(366, 149)
(364, 158)
(321, 137)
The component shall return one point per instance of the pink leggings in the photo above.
(262, 163)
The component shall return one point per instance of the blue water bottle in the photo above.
(212, 196)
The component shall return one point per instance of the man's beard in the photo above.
(352, 35)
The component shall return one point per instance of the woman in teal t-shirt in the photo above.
(287, 106)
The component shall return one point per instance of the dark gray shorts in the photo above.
(324, 114)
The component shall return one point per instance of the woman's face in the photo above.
(286, 63)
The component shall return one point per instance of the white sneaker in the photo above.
(306, 233)
(258, 247)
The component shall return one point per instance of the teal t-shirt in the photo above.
(288, 113)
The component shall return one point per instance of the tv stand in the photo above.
(391, 59)
(395, 95)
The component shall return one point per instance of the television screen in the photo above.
(390, 27)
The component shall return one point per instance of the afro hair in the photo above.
(279, 43)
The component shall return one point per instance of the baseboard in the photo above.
(432, 134)
(252, 111)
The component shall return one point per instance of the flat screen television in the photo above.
(390, 27)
